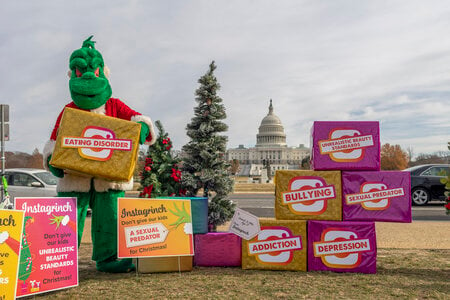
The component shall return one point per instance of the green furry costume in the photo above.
(90, 90)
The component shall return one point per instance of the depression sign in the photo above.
(154, 227)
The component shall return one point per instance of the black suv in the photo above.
(426, 182)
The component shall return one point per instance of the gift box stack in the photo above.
(324, 217)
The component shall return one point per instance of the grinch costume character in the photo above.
(90, 91)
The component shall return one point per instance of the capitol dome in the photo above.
(271, 132)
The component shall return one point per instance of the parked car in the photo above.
(26, 182)
(426, 182)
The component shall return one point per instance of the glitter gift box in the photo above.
(342, 246)
(164, 264)
(376, 196)
(306, 194)
(96, 145)
(280, 245)
(345, 145)
(217, 249)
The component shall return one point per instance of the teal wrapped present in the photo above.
(199, 209)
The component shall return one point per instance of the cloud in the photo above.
(317, 60)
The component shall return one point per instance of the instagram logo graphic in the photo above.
(374, 196)
(308, 195)
(97, 143)
(275, 245)
(345, 145)
(340, 248)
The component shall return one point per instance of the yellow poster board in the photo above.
(11, 226)
(154, 227)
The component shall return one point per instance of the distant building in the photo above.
(270, 146)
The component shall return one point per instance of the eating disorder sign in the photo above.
(154, 227)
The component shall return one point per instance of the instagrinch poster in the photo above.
(154, 228)
(49, 255)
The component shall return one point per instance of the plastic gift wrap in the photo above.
(164, 264)
(280, 245)
(376, 196)
(96, 145)
(342, 246)
(199, 209)
(345, 145)
(217, 249)
(306, 194)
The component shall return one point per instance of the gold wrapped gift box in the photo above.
(308, 195)
(263, 251)
(96, 145)
(164, 264)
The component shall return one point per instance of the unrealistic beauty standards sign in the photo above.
(49, 254)
(11, 222)
(154, 227)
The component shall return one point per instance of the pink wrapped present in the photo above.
(217, 249)
(345, 145)
(376, 196)
(342, 246)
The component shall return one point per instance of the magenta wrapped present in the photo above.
(342, 246)
(217, 249)
(345, 145)
(377, 196)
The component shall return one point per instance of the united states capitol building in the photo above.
(270, 147)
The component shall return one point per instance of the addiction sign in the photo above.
(154, 227)
(49, 254)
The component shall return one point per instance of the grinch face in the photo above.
(88, 85)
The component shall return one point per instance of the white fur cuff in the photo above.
(148, 121)
(48, 150)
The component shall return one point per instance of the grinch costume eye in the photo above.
(78, 72)
(97, 72)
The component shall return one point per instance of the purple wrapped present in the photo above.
(342, 246)
(345, 145)
(217, 249)
(377, 196)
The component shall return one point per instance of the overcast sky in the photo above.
(317, 60)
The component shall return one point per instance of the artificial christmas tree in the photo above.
(204, 166)
(160, 175)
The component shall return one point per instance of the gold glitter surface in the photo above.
(298, 261)
(333, 209)
(119, 167)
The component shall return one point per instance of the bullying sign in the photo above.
(49, 254)
(154, 227)
(11, 224)
(308, 195)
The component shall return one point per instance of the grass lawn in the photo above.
(404, 273)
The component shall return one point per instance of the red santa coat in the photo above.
(73, 183)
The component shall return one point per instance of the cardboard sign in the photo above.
(11, 224)
(377, 196)
(154, 227)
(49, 255)
(280, 245)
(342, 246)
(305, 194)
(345, 145)
(244, 224)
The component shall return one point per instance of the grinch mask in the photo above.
(88, 84)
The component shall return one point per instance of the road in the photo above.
(262, 205)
